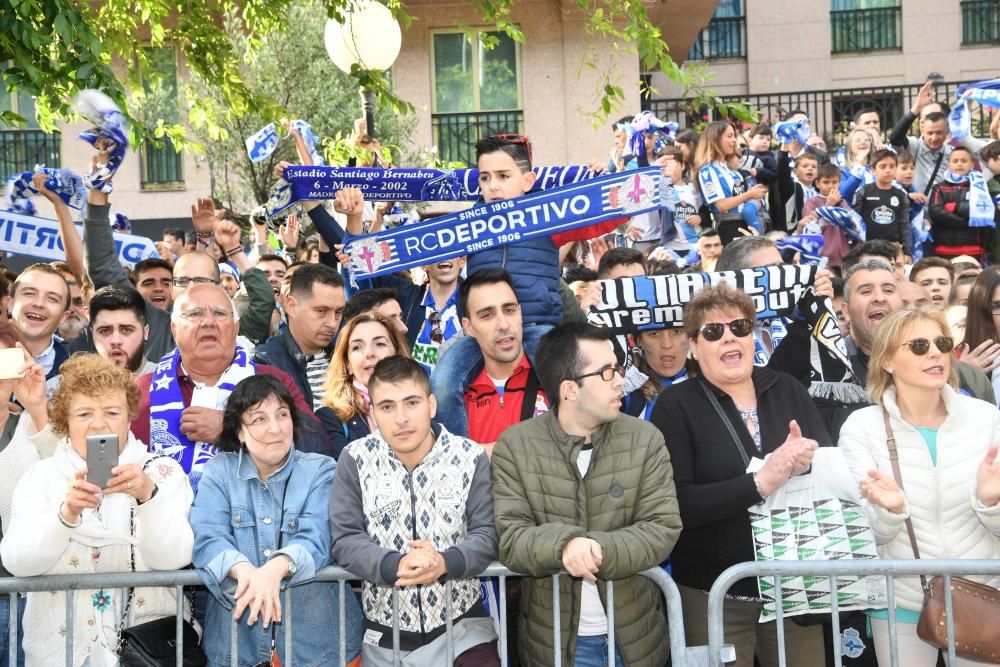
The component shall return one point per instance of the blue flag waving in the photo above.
(986, 93)
(807, 245)
(849, 221)
(261, 145)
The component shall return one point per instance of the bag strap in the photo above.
(725, 420)
(937, 166)
(890, 441)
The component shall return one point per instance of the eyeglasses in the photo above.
(185, 282)
(436, 334)
(921, 346)
(607, 374)
(517, 139)
(713, 331)
(201, 315)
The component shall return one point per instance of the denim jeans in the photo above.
(4, 631)
(458, 367)
(592, 651)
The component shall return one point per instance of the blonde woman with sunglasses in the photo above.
(772, 418)
(946, 444)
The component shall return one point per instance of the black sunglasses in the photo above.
(921, 346)
(713, 331)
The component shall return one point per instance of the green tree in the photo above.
(293, 68)
(57, 47)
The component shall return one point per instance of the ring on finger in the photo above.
(128, 484)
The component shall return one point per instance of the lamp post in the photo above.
(369, 37)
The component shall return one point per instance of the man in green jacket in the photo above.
(589, 490)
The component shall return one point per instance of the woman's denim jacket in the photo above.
(236, 518)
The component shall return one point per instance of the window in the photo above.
(980, 22)
(725, 34)
(865, 25)
(22, 148)
(162, 167)
(477, 90)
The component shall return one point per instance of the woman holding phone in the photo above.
(63, 523)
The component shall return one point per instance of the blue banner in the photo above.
(399, 185)
(490, 225)
(39, 237)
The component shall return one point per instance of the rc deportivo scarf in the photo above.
(166, 404)
(986, 93)
(109, 135)
(398, 185)
(491, 225)
(981, 206)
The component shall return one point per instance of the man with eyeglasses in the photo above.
(181, 404)
(589, 490)
(104, 268)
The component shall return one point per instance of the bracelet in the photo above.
(66, 523)
(151, 496)
(760, 492)
(235, 250)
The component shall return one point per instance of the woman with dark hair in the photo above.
(363, 341)
(771, 417)
(663, 356)
(981, 347)
(723, 188)
(261, 524)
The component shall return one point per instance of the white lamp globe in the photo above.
(369, 36)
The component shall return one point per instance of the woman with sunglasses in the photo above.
(982, 325)
(946, 452)
(261, 527)
(769, 414)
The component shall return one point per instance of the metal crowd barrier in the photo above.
(682, 656)
(719, 652)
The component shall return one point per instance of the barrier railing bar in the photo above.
(396, 659)
(341, 621)
(890, 588)
(449, 637)
(949, 619)
(12, 629)
(503, 620)
(179, 627)
(556, 619)
(835, 622)
(286, 620)
(69, 629)
(779, 611)
(234, 648)
(610, 595)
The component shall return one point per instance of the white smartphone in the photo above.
(11, 361)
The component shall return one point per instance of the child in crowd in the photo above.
(885, 206)
(949, 211)
(686, 217)
(835, 243)
(857, 162)
(990, 158)
(760, 147)
(793, 189)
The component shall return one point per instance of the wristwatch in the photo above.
(292, 569)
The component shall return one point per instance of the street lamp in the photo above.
(369, 37)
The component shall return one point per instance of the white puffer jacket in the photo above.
(948, 519)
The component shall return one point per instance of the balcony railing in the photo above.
(723, 37)
(980, 22)
(162, 168)
(866, 29)
(456, 134)
(21, 150)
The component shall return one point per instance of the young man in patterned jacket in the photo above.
(412, 507)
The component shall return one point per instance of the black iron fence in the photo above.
(162, 167)
(723, 37)
(456, 134)
(829, 111)
(866, 29)
(980, 21)
(21, 150)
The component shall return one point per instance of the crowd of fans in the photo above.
(272, 418)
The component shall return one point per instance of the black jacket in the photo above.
(713, 489)
(948, 208)
(283, 352)
(339, 433)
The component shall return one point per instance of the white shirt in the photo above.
(593, 619)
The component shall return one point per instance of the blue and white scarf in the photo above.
(848, 220)
(109, 135)
(498, 223)
(166, 405)
(309, 139)
(425, 350)
(981, 206)
(67, 185)
(262, 144)
(789, 131)
(399, 185)
(921, 234)
(986, 93)
(646, 122)
(807, 245)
